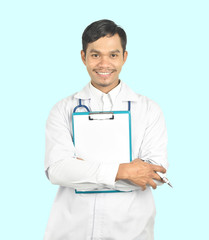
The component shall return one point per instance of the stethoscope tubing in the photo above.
(80, 105)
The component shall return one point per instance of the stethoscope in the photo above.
(80, 105)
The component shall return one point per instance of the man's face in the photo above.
(104, 60)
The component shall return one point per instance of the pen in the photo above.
(165, 180)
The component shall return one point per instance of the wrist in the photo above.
(122, 171)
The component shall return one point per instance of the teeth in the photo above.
(103, 73)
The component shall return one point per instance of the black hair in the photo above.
(100, 29)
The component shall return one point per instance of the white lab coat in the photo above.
(102, 216)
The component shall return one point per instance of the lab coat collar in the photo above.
(126, 94)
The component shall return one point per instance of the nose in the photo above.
(104, 62)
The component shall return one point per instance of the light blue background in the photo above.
(40, 43)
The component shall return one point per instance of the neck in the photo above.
(104, 88)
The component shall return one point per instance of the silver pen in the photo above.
(165, 180)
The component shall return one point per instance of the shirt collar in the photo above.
(124, 92)
(95, 92)
(99, 94)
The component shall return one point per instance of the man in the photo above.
(125, 215)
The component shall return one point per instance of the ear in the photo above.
(83, 57)
(125, 55)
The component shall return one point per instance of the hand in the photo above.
(140, 173)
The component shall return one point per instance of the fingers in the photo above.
(156, 176)
(157, 168)
(152, 184)
(143, 174)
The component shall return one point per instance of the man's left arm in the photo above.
(154, 144)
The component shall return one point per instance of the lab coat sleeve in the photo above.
(61, 165)
(154, 143)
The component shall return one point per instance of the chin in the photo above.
(104, 85)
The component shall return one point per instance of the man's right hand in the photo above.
(140, 173)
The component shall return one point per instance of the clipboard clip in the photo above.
(101, 116)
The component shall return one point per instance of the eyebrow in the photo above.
(96, 51)
(115, 51)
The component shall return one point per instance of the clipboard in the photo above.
(104, 137)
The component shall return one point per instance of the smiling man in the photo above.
(130, 213)
(104, 59)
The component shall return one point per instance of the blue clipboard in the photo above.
(102, 136)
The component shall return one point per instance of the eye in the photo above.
(95, 55)
(113, 55)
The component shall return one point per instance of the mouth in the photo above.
(104, 74)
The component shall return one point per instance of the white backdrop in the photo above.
(40, 64)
